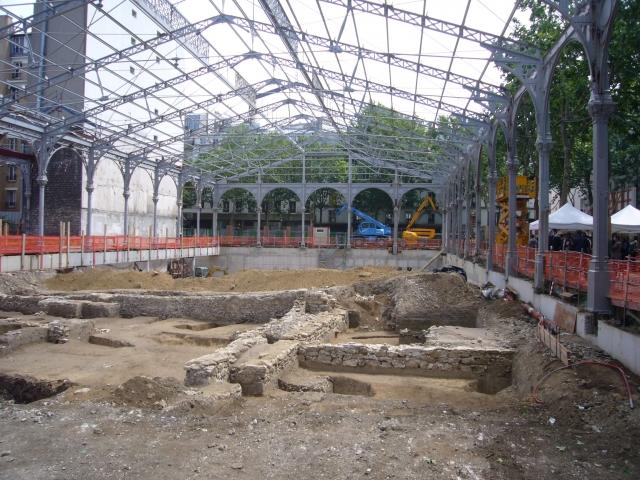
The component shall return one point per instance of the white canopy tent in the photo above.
(626, 220)
(567, 217)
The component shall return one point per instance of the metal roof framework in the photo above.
(286, 62)
(405, 89)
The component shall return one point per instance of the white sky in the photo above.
(114, 27)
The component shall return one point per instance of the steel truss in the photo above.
(307, 102)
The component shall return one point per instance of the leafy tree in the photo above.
(321, 199)
(571, 155)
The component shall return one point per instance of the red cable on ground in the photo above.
(584, 362)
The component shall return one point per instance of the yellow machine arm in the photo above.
(426, 201)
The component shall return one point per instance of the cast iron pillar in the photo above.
(593, 24)
(349, 201)
(491, 217)
(304, 180)
(478, 222)
(459, 204)
(511, 255)
(467, 211)
(544, 148)
(199, 188)
(396, 212)
(601, 106)
(259, 212)
(42, 181)
(90, 167)
(214, 222)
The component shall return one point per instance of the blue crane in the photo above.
(368, 227)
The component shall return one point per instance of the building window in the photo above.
(17, 68)
(12, 173)
(10, 197)
(17, 46)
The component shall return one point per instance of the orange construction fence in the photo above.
(36, 245)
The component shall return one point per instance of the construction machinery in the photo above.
(411, 233)
(368, 227)
(526, 189)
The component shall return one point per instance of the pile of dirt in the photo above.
(22, 283)
(244, 281)
(141, 391)
(419, 301)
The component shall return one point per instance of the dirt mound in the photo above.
(141, 391)
(419, 301)
(244, 281)
(22, 283)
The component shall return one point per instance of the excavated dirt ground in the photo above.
(244, 281)
(406, 428)
(160, 348)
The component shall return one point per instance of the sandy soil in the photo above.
(409, 428)
(244, 281)
(368, 337)
(159, 350)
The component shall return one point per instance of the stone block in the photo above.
(259, 367)
(99, 309)
(109, 342)
(60, 307)
(18, 332)
(26, 304)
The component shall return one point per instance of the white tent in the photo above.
(567, 217)
(626, 220)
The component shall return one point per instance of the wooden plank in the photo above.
(565, 317)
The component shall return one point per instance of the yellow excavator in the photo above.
(411, 233)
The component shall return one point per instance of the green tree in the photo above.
(571, 155)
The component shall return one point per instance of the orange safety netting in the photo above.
(35, 245)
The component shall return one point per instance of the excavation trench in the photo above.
(420, 329)
(27, 389)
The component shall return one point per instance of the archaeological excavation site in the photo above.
(365, 373)
(319, 240)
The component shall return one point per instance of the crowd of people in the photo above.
(621, 247)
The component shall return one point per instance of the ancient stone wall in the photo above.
(431, 361)
(295, 326)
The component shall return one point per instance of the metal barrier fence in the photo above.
(570, 271)
(35, 245)
(270, 241)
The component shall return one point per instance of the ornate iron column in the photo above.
(478, 222)
(491, 204)
(593, 25)
(512, 167)
(396, 207)
(259, 211)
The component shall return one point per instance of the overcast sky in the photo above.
(113, 27)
